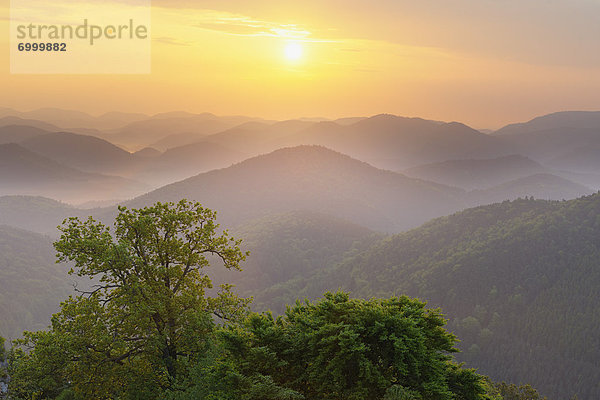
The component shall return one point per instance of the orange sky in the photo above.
(483, 62)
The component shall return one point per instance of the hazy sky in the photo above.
(482, 62)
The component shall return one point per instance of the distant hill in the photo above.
(25, 172)
(157, 130)
(288, 247)
(18, 133)
(12, 120)
(477, 173)
(582, 159)
(87, 153)
(558, 136)
(540, 186)
(35, 213)
(258, 137)
(183, 162)
(397, 143)
(519, 281)
(316, 179)
(31, 284)
(563, 119)
(73, 120)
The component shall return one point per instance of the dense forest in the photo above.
(518, 279)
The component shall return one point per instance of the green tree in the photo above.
(148, 313)
(341, 348)
(521, 392)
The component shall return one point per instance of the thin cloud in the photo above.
(171, 41)
(241, 25)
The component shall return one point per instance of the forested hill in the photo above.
(31, 284)
(519, 281)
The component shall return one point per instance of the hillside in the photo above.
(13, 120)
(558, 136)
(563, 119)
(539, 186)
(519, 281)
(28, 173)
(182, 162)
(477, 173)
(582, 159)
(258, 137)
(397, 143)
(87, 153)
(285, 248)
(166, 130)
(31, 284)
(37, 214)
(316, 179)
(17, 133)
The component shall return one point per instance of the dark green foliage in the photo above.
(514, 392)
(519, 281)
(339, 348)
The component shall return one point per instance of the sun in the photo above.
(293, 51)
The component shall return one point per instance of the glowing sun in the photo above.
(293, 51)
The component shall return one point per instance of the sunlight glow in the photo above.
(293, 51)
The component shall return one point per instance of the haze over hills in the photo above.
(173, 129)
(185, 161)
(35, 213)
(477, 173)
(563, 119)
(25, 172)
(18, 133)
(396, 143)
(584, 159)
(87, 153)
(288, 247)
(316, 179)
(540, 186)
(562, 140)
(16, 121)
(258, 137)
(72, 120)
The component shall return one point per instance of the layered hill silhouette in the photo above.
(18, 133)
(182, 162)
(25, 172)
(168, 130)
(477, 173)
(87, 153)
(258, 137)
(542, 186)
(396, 143)
(73, 120)
(560, 139)
(316, 179)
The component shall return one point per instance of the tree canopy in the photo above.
(148, 312)
(339, 348)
